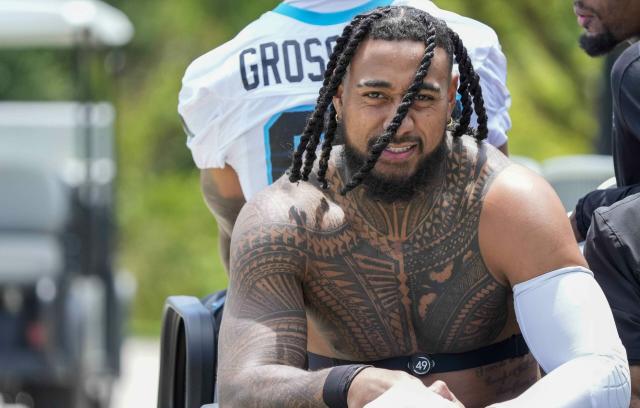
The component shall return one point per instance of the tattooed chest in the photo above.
(372, 304)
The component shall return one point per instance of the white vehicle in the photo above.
(61, 303)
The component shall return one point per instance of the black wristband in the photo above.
(336, 386)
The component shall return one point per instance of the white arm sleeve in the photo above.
(568, 325)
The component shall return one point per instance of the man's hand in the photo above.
(412, 394)
(378, 388)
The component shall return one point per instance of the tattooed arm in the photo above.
(263, 337)
(223, 195)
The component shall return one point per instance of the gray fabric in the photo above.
(625, 85)
(25, 258)
(599, 198)
(612, 249)
(31, 199)
(625, 88)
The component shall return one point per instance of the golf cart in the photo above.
(61, 302)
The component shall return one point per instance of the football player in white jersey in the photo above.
(245, 103)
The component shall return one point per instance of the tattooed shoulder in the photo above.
(285, 214)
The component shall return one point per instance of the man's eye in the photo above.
(373, 95)
(421, 97)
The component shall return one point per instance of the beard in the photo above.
(389, 189)
(599, 44)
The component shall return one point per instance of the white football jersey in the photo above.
(245, 103)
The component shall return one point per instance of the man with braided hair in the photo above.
(408, 267)
(245, 103)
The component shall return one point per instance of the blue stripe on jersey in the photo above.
(315, 18)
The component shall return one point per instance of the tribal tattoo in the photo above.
(377, 280)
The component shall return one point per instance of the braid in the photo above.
(312, 124)
(478, 104)
(329, 136)
(469, 86)
(401, 113)
(341, 42)
(336, 68)
(311, 143)
(310, 151)
(387, 24)
(462, 57)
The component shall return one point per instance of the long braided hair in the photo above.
(390, 24)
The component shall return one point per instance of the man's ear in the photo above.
(452, 93)
(337, 100)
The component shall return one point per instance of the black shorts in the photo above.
(612, 249)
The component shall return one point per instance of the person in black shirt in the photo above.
(625, 83)
(608, 23)
(610, 219)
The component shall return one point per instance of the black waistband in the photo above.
(422, 363)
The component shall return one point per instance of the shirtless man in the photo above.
(418, 257)
(244, 104)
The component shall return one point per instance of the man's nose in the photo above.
(406, 126)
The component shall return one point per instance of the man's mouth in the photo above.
(402, 149)
(398, 152)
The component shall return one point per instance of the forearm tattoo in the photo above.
(508, 380)
(264, 335)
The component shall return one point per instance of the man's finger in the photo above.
(440, 387)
